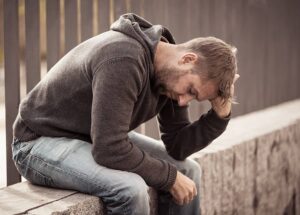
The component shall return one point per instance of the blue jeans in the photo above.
(68, 164)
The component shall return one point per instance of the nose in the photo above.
(183, 100)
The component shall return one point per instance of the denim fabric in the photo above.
(68, 164)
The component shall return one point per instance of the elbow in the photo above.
(174, 149)
(100, 157)
(177, 154)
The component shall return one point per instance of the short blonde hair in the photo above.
(217, 62)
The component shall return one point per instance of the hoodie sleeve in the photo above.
(116, 85)
(183, 138)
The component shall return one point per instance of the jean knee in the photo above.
(136, 190)
(192, 169)
(131, 197)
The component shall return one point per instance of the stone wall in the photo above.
(254, 167)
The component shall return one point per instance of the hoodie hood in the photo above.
(143, 31)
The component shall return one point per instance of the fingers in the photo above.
(184, 189)
(236, 77)
(184, 201)
(195, 191)
(187, 198)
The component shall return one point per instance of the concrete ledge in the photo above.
(25, 198)
(253, 168)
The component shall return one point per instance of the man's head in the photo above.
(202, 69)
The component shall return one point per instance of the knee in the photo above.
(135, 196)
(192, 169)
(136, 189)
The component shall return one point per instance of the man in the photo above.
(74, 129)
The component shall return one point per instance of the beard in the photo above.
(166, 78)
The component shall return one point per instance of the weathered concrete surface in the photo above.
(254, 167)
(75, 204)
(25, 198)
(21, 197)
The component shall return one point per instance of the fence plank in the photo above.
(32, 50)
(136, 7)
(119, 8)
(71, 24)
(262, 41)
(151, 128)
(138, 129)
(53, 32)
(103, 15)
(12, 80)
(294, 25)
(237, 36)
(86, 8)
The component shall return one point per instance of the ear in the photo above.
(189, 57)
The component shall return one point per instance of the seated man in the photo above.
(74, 130)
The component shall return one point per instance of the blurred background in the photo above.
(35, 34)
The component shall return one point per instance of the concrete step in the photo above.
(26, 198)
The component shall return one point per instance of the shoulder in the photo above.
(115, 45)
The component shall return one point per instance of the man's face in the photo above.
(184, 86)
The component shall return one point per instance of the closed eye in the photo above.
(191, 92)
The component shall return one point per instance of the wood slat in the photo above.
(139, 129)
(12, 80)
(151, 128)
(53, 32)
(259, 22)
(119, 8)
(86, 9)
(103, 15)
(294, 25)
(71, 24)
(155, 12)
(238, 40)
(251, 84)
(32, 50)
(176, 10)
(136, 7)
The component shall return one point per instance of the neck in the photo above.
(165, 53)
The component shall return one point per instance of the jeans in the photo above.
(65, 163)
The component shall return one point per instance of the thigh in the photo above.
(69, 164)
(156, 149)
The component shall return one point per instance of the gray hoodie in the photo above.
(104, 88)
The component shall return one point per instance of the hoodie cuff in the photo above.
(171, 178)
(216, 121)
(221, 118)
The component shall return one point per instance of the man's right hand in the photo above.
(184, 189)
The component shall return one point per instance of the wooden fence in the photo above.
(266, 33)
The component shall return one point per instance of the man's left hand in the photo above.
(222, 108)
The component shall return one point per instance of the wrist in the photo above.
(222, 111)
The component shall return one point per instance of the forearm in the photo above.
(195, 136)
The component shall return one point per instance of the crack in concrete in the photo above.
(33, 208)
